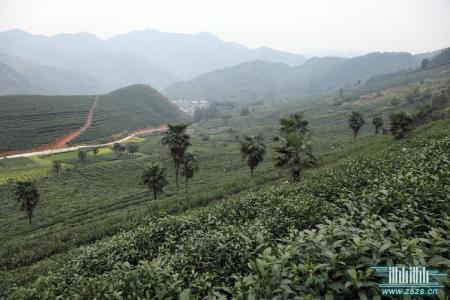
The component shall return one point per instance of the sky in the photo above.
(299, 26)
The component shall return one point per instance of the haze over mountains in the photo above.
(261, 80)
(148, 56)
(185, 66)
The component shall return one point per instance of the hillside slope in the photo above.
(127, 109)
(51, 80)
(28, 121)
(11, 82)
(250, 81)
(265, 81)
(282, 241)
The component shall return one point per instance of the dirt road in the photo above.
(59, 145)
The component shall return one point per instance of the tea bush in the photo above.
(314, 240)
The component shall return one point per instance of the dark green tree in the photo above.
(155, 178)
(116, 147)
(132, 148)
(254, 149)
(81, 155)
(355, 122)
(177, 141)
(294, 123)
(95, 151)
(294, 154)
(377, 122)
(401, 124)
(28, 196)
(188, 167)
(56, 167)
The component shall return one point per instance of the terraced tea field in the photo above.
(30, 121)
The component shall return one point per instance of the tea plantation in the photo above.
(312, 240)
(30, 121)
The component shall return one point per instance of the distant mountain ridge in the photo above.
(261, 80)
(49, 80)
(147, 57)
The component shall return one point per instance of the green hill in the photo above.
(127, 109)
(29, 121)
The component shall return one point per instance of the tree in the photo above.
(177, 141)
(28, 196)
(293, 123)
(295, 153)
(81, 155)
(95, 151)
(377, 121)
(424, 63)
(254, 149)
(56, 166)
(395, 102)
(116, 147)
(355, 122)
(188, 167)
(155, 178)
(401, 124)
(132, 148)
(245, 111)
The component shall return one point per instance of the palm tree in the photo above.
(377, 121)
(188, 167)
(294, 154)
(355, 122)
(293, 123)
(28, 196)
(56, 166)
(177, 140)
(254, 149)
(155, 178)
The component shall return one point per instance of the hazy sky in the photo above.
(300, 26)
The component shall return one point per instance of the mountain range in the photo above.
(94, 65)
(263, 80)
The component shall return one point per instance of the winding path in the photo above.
(59, 145)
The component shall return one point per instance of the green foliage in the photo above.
(401, 124)
(254, 149)
(424, 63)
(188, 167)
(155, 178)
(57, 167)
(132, 148)
(314, 240)
(28, 197)
(295, 154)
(95, 151)
(177, 141)
(355, 122)
(294, 123)
(128, 109)
(377, 122)
(82, 155)
(31, 121)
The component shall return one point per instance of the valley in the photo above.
(146, 164)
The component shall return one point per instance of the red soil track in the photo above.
(60, 142)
